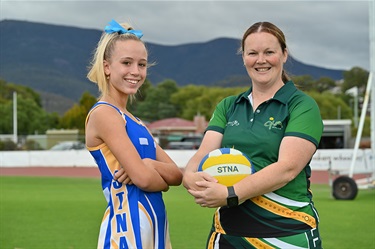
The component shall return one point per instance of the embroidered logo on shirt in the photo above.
(272, 124)
(233, 123)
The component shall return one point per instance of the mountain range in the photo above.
(53, 60)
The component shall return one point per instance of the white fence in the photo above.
(69, 158)
(340, 160)
(336, 159)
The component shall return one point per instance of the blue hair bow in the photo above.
(115, 27)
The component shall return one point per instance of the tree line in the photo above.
(167, 99)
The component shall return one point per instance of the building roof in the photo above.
(178, 125)
(172, 123)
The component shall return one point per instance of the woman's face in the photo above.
(263, 58)
(127, 68)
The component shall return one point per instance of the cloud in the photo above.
(331, 34)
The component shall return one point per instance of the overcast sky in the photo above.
(330, 34)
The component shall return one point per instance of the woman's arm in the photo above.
(294, 154)
(210, 142)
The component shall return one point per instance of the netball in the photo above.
(227, 165)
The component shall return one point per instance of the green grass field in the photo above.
(65, 213)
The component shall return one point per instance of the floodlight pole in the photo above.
(354, 92)
(372, 76)
(15, 140)
(370, 86)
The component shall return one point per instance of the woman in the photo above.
(279, 128)
(124, 149)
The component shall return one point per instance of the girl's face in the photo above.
(263, 58)
(127, 68)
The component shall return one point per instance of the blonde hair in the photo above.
(103, 52)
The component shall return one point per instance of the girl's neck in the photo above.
(116, 101)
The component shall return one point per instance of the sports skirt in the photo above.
(310, 239)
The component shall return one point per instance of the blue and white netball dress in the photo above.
(133, 218)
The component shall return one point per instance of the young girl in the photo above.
(124, 149)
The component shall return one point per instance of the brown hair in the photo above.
(272, 29)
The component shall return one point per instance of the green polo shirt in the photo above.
(258, 133)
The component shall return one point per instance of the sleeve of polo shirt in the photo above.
(218, 119)
(305, 120)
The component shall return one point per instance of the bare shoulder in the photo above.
(105, 114)
(103, 122)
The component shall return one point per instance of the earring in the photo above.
(107, 77)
